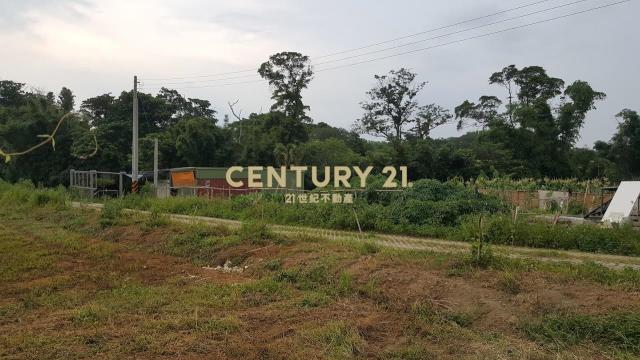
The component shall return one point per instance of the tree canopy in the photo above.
(531, 131)
(536, 132)
(288, 73)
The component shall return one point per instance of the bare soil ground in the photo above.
(147, 288)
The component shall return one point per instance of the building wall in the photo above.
(212, 183)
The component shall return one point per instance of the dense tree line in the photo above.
(530, 132)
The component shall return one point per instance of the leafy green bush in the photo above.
(500, 229)
(110, 213)
(155, 220)
(481, 254)
(429, 208)
(256, 232)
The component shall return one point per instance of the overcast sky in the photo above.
(94, 47)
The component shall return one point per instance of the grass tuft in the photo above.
(256, 232)
(510, 283)
(338, 340)
(618, 330)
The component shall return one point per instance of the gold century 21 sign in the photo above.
(336, 176)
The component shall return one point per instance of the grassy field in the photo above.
(79, 284)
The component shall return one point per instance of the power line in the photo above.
(438, 45)
(214, 85)
(390, 48)
(195, 76)
(475, 37)
(452, 33)
(200, 81)
(201, 76)
(433, 29)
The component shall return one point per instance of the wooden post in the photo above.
(91, 184)
(480, 238)
(155, 165)
(357, 221)
(120, 185)
(584, 201)
(134, 147)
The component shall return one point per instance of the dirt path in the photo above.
(415, 243)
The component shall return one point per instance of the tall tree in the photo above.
(288, 74)
(430, 117)
(391, 106)
(287, 155)
(506, 77)
(257, 136)
(66, 99)
(12, 93)
(201, 108)
(625, 145)
(485, 113)
(531, 128)
(199, 142)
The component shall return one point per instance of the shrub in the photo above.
(500, 229)
(429, 208)
(510, 283)
(475, 231)
(110, 213)
(255, 231)
(155, 220)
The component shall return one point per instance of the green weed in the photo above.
(510, 283)
(225, 325)
(313, 299)
(256, 232)
(619, 330)
(90, 315)
(338, 339)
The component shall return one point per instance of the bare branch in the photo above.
(231, 105)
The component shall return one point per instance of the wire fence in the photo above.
(218, 192)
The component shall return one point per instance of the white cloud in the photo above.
(111, 35)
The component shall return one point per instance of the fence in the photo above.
(213, 192)
(226, 191)
(94, 183)
(544, 199)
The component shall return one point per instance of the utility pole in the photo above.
(134, 150)
(155, 165)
